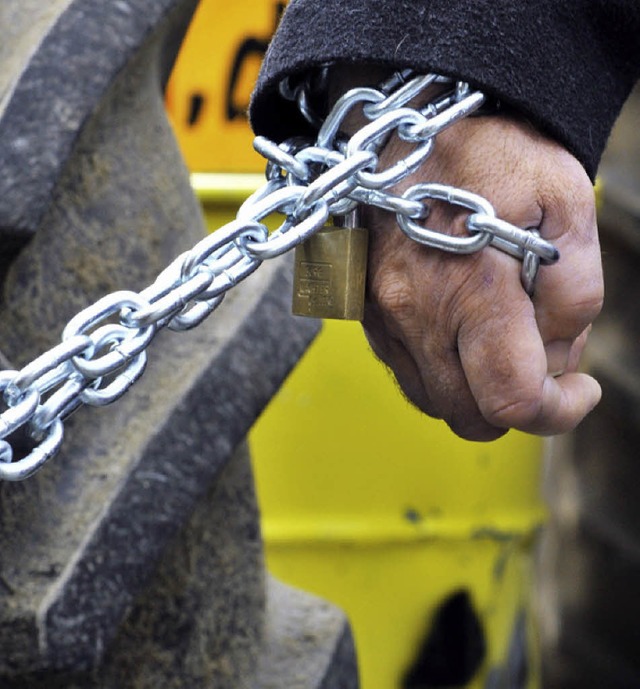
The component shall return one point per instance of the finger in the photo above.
(569, 294)
(427, 367)
(558, 353)
(504, 359)
(563, 356)
(436, 386)
(560, 202)
(565, 401)
(442, 374)
(573, 362)
(512, 386)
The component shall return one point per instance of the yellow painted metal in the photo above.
(364, 501)
(217, 190)
(385, 512)
(370, 504)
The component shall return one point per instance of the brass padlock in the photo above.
(330, 272)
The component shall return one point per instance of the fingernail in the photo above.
(557, 353)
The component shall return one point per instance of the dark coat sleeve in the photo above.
(568, 65)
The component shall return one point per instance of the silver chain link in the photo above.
(104, 347)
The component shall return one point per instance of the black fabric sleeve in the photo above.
(568, 65)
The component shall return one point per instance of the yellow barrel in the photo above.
(364, 501)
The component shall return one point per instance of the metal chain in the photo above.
(104, 347)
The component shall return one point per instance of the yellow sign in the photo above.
(208, 93)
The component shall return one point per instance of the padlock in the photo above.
(330, 272)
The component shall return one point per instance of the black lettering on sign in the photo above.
(252, 46)
(195, 108)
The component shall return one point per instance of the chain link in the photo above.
(104, 347)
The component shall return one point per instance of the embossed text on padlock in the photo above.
(330, 273)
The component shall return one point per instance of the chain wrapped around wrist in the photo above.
(308, 180)
(388, 109)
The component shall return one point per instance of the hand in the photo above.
(464, 340)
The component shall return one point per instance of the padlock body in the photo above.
(330, 274)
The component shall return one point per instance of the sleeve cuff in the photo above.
(553, 62)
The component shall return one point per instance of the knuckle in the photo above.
(571, 310)
(512, 412)
(586, 309)
(592, 305)
(569, 184)
(394, 297)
